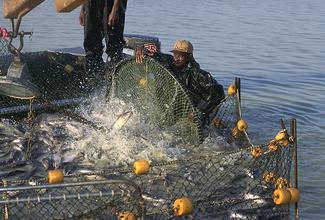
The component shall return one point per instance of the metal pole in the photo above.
(237, 84)
(295, 157)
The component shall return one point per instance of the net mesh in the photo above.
(233, 184)
(4, 52)
(55, 74)
(157, 96)
(71, 200)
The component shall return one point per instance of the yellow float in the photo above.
(281, 196)
(141, 167)
(216, 122)
(295, 195)
(182, 206)
(231, 90)
(281, 183)
(55, 176)
(241, 125)
(257, 151)
(269, 177)
(126, 215)
(281, 135)
(273, 147)
(284, 142)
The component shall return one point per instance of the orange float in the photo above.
(182, 206)
(295, 195)
(281, 196)
(257, 151)
(141, 167)
(126, 215)
(231, 90)
(55, 176)
(241, 125)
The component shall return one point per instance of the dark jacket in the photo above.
(204, 91)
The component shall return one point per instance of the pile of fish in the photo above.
(56, 141)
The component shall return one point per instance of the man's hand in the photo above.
(149, 49)
(139, 55)
(112, 18)
(82, 16)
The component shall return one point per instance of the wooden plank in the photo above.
(15, 8)
(67, 5)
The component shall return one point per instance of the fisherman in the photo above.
(205, 92)
(103, 19)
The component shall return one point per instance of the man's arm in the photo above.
(82, 16)
(113, 16)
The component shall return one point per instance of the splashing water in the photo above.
(60, 142)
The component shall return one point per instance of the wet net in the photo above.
(60, 79)
(220, 186)
(58, 201)
(4, 52)
(157, 96)
(245, 181)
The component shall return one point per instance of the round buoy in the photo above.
(281, 135)
(281, 196)
(281, 183)
(143, 83)
(284, 142)
(257, 151)
(182, 207)
(236, 133)
(216, 122)
(232, 90)
(273, 147)
(269, 177)
(295, 195)
(126, 215)
(141, 167)
(241, 125)
(55, 176)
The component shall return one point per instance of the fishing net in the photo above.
(244, 181)
(60, 78)
(4, 52)
(226, 185)
(157, 96)
(98, 198)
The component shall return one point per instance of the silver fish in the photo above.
(70, 156)
(121, 121)
(155, 201)
(256, 198)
